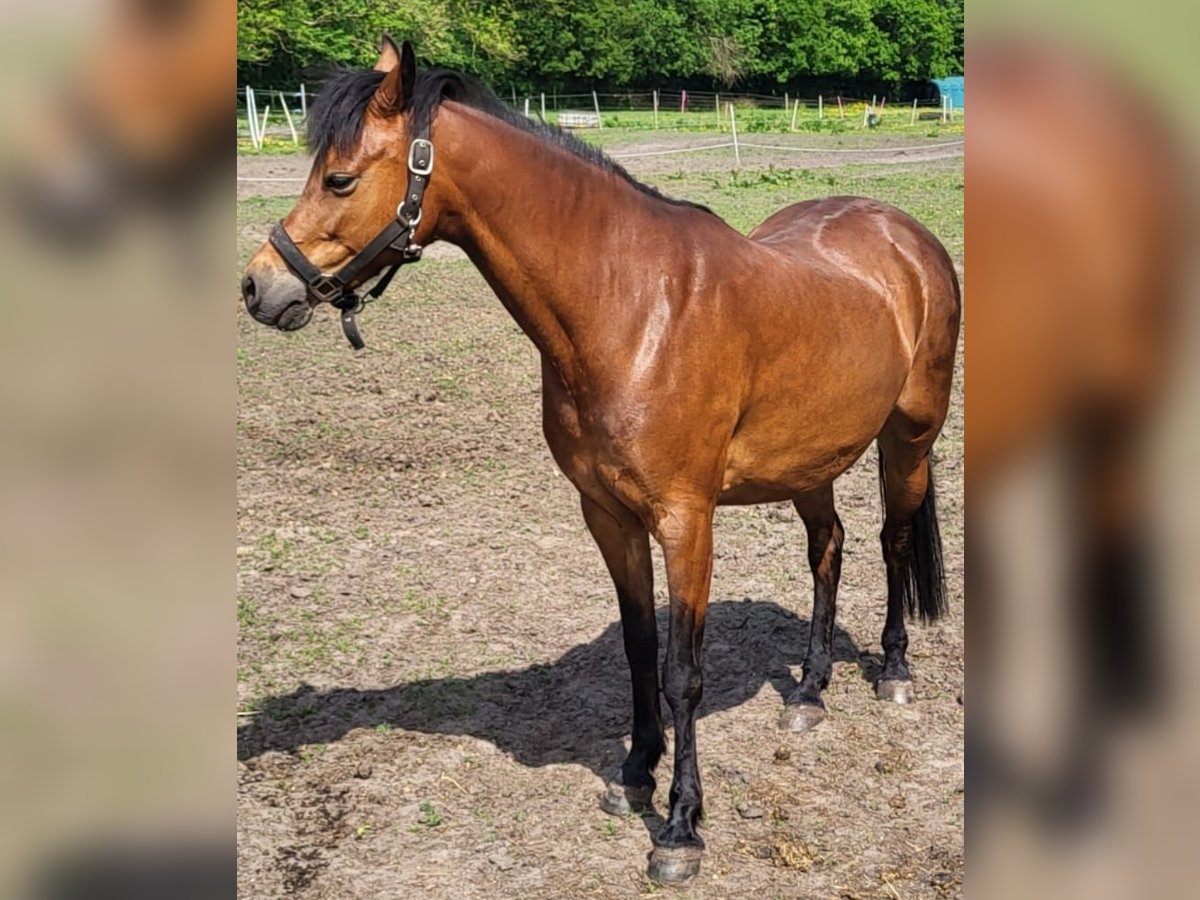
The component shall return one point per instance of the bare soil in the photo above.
(431, 684)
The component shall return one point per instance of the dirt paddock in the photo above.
(431, 683)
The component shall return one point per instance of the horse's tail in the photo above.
(923, 579)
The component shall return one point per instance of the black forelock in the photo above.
(337, 116)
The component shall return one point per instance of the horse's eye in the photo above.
(340, 183)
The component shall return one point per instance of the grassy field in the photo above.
(431, 685)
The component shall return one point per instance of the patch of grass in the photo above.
(278, 550)
(744, 198)
(427, 608)
(247, 613)
(430, 817)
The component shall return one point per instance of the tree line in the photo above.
(528, 44)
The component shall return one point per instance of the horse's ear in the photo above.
(396, 89)
(389, 55)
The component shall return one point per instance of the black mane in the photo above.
(337, 115)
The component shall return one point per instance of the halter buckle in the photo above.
(426, 148)
(327, 288)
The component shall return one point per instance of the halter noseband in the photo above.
(337, 289)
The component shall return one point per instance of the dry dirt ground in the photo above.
(431, 684)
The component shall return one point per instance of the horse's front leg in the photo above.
(686, 537)
(625, 545)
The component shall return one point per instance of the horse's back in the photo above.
(843, 248)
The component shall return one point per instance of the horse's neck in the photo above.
(540, 224)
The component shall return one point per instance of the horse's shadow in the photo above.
(575, 710)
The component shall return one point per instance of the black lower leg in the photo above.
(641, 649)
(896, 552)
(683, 683)
(825, 560)
(625, 546)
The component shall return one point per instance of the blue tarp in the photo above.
(952, 87)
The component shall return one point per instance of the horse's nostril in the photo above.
(250, 292)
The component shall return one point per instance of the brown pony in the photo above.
(684, 365)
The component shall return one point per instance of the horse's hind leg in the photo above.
(912, 546)
(625, 545)
(804, 707)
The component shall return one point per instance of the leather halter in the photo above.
(338, 289)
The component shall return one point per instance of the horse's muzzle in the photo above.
(276, 299)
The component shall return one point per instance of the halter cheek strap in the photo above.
(338, 289)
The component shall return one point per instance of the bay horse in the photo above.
(684, 365)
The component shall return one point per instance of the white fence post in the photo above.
(262, 128)
(543, 106)
(303, 102)
(287, 114)
(717, 103)
(820, 107)
(527, 107)
(737, 152)
(656, 107)
(596, 103)
(795, 112)
(252, 117)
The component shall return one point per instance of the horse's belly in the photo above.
(759, 477)
(777, 455)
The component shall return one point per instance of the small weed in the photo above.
(430, 817)
(383, 727)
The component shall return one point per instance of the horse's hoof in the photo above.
(799, 717)
(895, 690)
(674, 865)
(620, 800)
